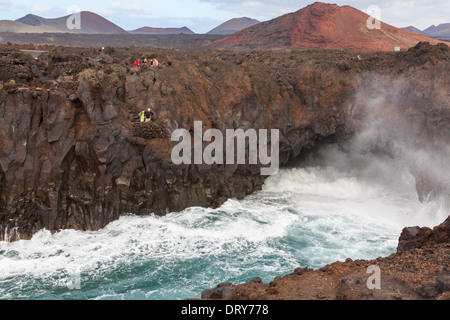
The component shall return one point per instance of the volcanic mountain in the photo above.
(90, 23)
(442, 30)
(162, 31)
(234, 25)
(19, 27)
(321, 25)
(413, 29)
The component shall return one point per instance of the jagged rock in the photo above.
(223, 291)
(301, 271)
(150, 130)
(38, 73)
(416, 237)
(73, 157)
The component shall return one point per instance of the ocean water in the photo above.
(325, 211)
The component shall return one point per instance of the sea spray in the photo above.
(346, 206)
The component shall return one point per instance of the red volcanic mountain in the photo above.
(321, 25)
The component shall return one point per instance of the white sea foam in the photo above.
(303, 217)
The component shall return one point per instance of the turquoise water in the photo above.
(304, 217)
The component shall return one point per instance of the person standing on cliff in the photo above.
(142, 116)
(148, 115)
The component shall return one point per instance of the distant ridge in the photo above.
(19, 27)
(413, 29)
(91, 23)
(233, 25)
(31, 19)
(317, 25)
(442, 30)
(162, 31)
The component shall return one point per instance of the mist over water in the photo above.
(334, 207)
(390, 117)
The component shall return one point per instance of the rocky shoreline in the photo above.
(419, 270)
(71, 158)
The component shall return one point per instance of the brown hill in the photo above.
(19, 27)
(234, 25)
(321, 25)
(162, 31)
(91, 23)
(94, 24)
(413, 29)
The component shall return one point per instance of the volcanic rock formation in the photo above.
(416, 237)
(71, 156)
(322, 25)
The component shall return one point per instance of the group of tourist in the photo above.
(146, 115)
(152, 63)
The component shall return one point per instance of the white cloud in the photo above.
(127, 5)
(39, 9)
(263, 10)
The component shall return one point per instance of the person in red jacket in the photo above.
(137, 63)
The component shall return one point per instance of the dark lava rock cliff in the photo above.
(71, 155)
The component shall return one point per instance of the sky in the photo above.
(203, 15)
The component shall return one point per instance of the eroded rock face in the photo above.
(416, 237)
(69, 157)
